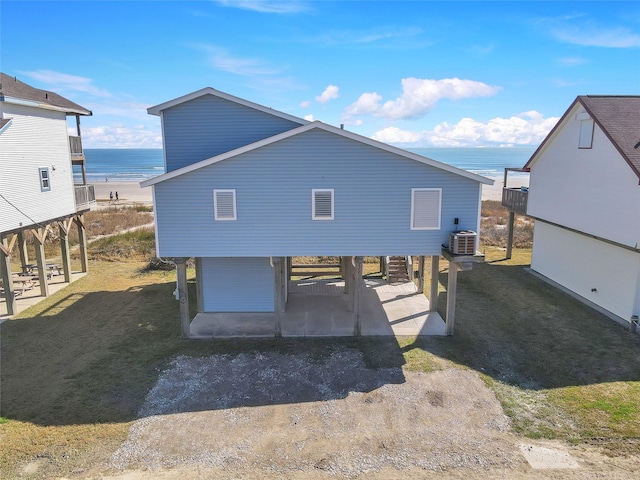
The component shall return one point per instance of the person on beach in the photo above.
(110, 197)
(117, 198)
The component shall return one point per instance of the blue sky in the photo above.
(411, 73)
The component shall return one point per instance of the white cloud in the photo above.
(266, 6)
(121, 136)
(58, 81)
(330, 93)
(309, 117)
(367, 104)
(580, 29)
(221, 59)
(597, 36)
(375, 37)
(419, 97)
(305, 104)
(572, 61)
(527, 128)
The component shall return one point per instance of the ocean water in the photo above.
(121, 164)
(135, 165)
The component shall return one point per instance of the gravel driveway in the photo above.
(274, 416)
(279, 414)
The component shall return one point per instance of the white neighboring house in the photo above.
(584, 194)
(37, 189)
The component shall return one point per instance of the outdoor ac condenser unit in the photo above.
(462, 242)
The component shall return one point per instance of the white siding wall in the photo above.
(36, 138)
(591, 190)
(580, 264)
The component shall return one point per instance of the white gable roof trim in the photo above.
(306, 128)
(157, 110)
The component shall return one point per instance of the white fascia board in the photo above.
(212, 91)
(46, 106)
(327, 128)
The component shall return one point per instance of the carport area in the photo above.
(320, 308)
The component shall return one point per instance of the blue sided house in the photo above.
(247, 188)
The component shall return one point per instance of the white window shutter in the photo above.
(322, 204)
(425, 208)
(224, 204)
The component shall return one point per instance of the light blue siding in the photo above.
(208, 126)
(372, 195)
(237, 285)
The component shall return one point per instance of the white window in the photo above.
(224, 205)
(425, 208)
(586, 134)
(45, 181)
(586, 130)
(322, 204)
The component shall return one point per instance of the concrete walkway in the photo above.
(319, 308)
(31, 297)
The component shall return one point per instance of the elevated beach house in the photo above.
(37, 189)
(584, 194)
(247, 188)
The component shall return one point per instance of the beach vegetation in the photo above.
(494, 227)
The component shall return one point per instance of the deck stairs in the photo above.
(397, 270)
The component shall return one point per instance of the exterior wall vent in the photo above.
(462, 242)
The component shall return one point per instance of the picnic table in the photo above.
(32, 268)
(27, 282)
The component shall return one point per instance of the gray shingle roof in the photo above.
(619, 118)
(14, 88)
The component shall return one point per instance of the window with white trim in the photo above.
(585, 140)
(224, 205)
(586, 134)
(45, 180)
(425, 208)
(322, 204)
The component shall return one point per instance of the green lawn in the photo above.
(76, 368)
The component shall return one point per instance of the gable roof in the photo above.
(619, 119)
(217, 93)
(305, 128)
(13, 90)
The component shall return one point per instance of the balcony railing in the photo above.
(85, 196)
(515, 199)
(75, 144)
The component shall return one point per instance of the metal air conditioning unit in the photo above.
(462, 242)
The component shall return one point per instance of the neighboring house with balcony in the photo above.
(247, 188)
(37, 188)
(584, 194)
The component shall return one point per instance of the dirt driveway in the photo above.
(299, 416)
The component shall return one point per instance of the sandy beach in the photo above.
(128, 192)
(131, 192)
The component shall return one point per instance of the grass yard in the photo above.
(76, 367)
